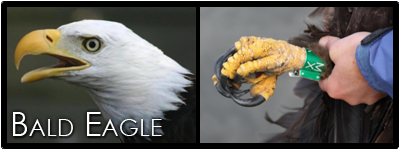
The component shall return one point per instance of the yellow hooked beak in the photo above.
(44, 42)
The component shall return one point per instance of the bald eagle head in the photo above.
(127, 77)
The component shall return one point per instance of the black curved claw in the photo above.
(222, 87)
(218, 65)
(251, 102)
(235, 92)
(240, 93)
(227, 90)
(237, 79)
(222, 91)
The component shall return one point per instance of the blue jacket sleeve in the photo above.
(375, 61)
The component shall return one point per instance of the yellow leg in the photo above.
(262, 55)
(272, 53)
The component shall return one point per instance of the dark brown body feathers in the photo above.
(323, 119)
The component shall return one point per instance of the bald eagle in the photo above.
(127, 77)
(322, 119)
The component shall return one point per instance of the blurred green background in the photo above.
(221, 119)
(173, 30)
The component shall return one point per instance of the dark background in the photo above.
(222, 120)
(173, 30)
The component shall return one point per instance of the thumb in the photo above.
(327, 41)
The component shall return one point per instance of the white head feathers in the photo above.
(129, 78)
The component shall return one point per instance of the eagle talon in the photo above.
(240, 93)
(251, 102)
(236, 91)
(223, 84)
(218, 65)
(225, 88)
(222, 91)
(238, 79)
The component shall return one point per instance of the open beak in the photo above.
(45, 42)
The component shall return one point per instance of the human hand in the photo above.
(346, 81)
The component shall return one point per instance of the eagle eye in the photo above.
(92, 44)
